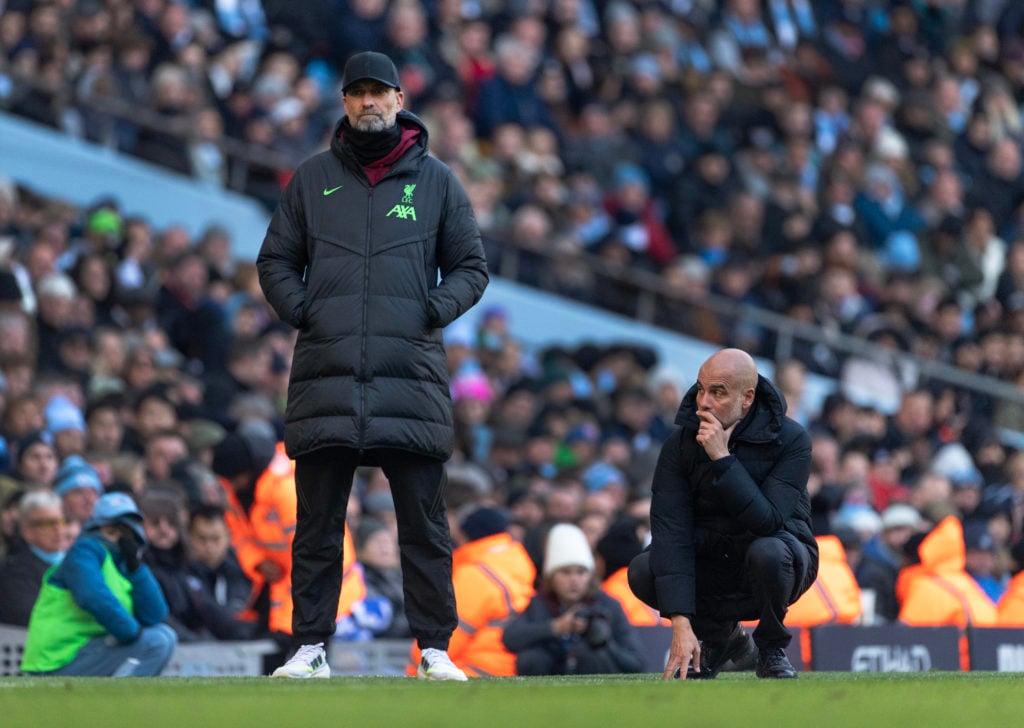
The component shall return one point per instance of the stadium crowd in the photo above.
(855, 164)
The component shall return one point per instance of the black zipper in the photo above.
(362, 379)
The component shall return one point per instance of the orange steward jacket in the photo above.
(493, 581)
(834, 598)
(266, 533)
(938, 591)
(1011, 605)
(639, 614)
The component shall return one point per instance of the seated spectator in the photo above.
(377, 552)
(46, 537)
(100, 612)
(493, 580)
(619, 545)
(571, 627)
(166, 556)
(882, 558)
(221, 591)
(79, 487)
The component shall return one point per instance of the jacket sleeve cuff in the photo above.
(718, 467)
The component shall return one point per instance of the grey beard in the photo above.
(371, 123)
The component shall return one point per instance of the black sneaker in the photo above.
(714, 656)
(773, 663)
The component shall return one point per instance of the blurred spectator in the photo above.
(46, 536)
(882, 559)
(511, 95)
(616, 548)
(980, 561)
(36, 460)
(66, 425)
(219, 588)
(163, 522)
(570, 626)
(377, 552)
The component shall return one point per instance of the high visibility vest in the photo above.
(1010, 610)
(938, 592)
(59, 628)
(834, 598)
(637, 612)
(493, 581)
(266, 532)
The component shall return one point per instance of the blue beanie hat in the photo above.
(61, 414)
(75, 472)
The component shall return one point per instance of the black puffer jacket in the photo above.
(698, 514)
(355, 268)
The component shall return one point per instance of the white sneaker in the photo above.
(308, 661)
(436, 665)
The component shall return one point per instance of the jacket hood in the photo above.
(762, 423)
(405, 119)
(942, 550)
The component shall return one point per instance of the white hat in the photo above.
(900, 515)
(567, 546)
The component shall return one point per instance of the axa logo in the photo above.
(891, 658)
(404, 210)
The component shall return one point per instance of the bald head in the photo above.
(725, 385)
(737, 364)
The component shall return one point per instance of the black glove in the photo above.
(131, 551)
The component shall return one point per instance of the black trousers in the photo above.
(323, 482)
(774, 573)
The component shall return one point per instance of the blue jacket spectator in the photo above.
(100, 611)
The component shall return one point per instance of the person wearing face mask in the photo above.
(571, 627)
(100, 611)
(730, 523)
(45, 536)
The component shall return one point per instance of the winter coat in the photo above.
(20, 579)
(711, 512)
(354, 267)
(540, 652)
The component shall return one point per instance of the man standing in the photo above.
(730, 519)
(351, 259)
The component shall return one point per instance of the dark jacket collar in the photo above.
(405, 118)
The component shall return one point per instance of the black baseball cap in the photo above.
(372, 65)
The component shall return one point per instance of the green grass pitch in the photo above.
(976, 700)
